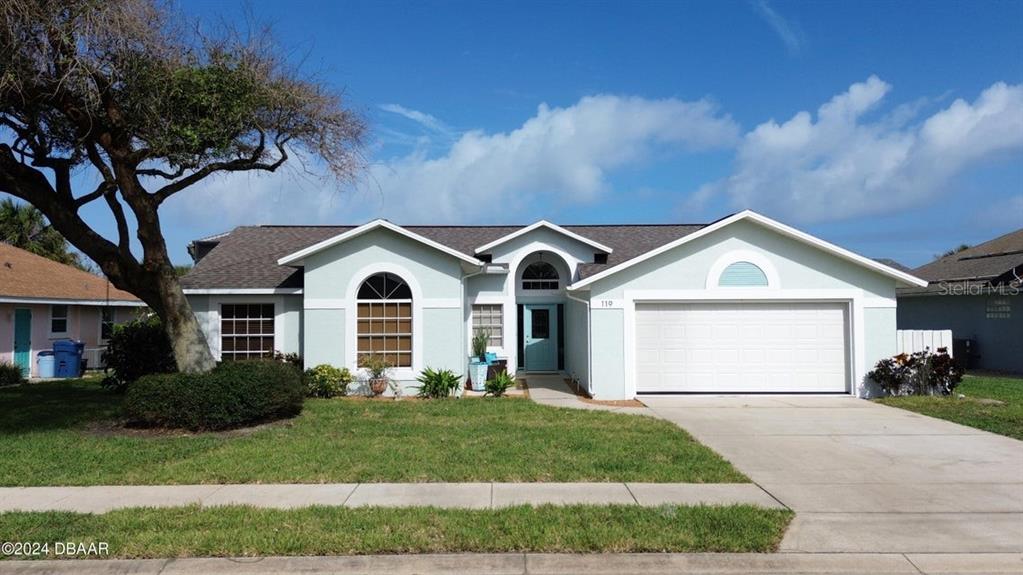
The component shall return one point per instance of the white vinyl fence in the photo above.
(914, 340)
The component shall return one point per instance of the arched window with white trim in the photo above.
(742, 274)
(384, 328)
(540, 276)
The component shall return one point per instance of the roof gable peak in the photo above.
(297, 257)
(543, 224)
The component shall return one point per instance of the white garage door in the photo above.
(741, 347)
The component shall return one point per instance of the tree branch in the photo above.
(101, 189)
(123, 240)
(156, 172)
(29, 184)
(237, 165)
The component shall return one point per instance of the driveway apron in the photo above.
(864, 477)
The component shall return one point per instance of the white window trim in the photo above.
(67, 322)
(735, 256)
(472, 322)
(213, 319)
(351, 351)
(382, 301)
(507, 310)
(277, 316)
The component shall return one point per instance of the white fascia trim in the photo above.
(544, 224)
(243, 291)
(770, 224)
(60, 301)
(340, 238)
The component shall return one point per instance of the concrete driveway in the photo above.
(863, 477)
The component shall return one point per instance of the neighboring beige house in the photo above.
(42, 301)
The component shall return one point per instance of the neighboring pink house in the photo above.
(42, 301)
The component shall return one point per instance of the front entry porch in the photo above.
(541, 336)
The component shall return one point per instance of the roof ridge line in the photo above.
(325, 226)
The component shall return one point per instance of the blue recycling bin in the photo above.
(46, 363)
(68, 356)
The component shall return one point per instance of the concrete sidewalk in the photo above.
(553, 391)
(100, 499)
(539, 564)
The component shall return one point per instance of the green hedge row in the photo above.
(233, 394)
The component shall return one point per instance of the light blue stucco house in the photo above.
(742, 305)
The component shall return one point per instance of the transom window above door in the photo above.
(385, 320)
(540, 275)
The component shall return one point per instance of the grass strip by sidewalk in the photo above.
(1005, 418)
(62, 434)
(247, 531)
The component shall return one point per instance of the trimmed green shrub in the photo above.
(497, 385)
(233, 394)
(327, 381)
(137, 348)
(919, 373)
(10, 374)
(438, 384)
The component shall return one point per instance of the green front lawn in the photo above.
(247, 531)
(55, 434)
(1004, 419)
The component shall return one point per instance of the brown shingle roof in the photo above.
(247, 256)
(984, 263)
(26, 275)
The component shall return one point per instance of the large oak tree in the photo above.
(125, 89)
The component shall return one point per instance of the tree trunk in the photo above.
(191, 351)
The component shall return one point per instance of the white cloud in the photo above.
(843, 164)
(422, 118)
(788, 33)
(289, 196)
(559, 155)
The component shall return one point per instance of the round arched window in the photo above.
(742, 274)
(385, 320)
(540, 275)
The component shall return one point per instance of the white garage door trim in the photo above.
(854, 298)
(742, 347)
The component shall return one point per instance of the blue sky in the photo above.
(892, 128)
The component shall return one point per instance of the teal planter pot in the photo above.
(478, 374)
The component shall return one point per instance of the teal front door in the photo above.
(23, 340)
(540, 337)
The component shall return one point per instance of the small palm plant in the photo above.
(437, 384)
(499, 384)
(480, 338)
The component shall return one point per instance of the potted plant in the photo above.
(480, 338)
(377, 367)
(478, 361)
